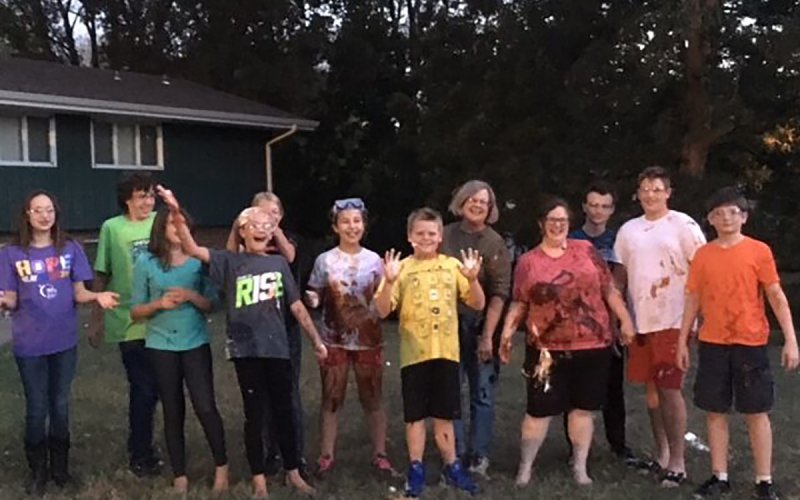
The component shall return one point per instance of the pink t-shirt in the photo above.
(565, 297)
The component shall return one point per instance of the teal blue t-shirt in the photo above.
(182, 328)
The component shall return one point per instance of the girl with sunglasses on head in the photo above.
(343, 282)
(259, 293)
(42, 278)
(172, 293)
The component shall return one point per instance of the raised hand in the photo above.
(391, 265)
(471, 262)
(107, 300)
(168, 197)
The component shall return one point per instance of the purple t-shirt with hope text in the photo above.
(45, 321)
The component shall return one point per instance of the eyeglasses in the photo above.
(42, 211)
(265, 226)
(348, 204)
(479, 201)
(604, 206)
(145, 195)
(556, 220)
(652, 190)
(730, 212)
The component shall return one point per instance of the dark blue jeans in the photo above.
(47, 381)
(481, 378)
(271, 436)
(142, 399)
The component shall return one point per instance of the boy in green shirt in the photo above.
(122, 239)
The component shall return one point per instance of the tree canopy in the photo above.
(535, 96)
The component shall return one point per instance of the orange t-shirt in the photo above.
(730, 283)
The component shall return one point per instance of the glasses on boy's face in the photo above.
(726, 212)
(42, 211)
(144, 195)
(264, 226)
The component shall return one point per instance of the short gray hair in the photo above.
(466, 191)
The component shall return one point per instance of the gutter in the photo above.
(268, 153)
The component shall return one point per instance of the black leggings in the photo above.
(266, 383)
(195, 367)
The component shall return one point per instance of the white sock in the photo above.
(722, 476)
(765, 479)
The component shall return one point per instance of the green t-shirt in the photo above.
(121, 242)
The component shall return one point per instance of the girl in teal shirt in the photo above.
(172, 293)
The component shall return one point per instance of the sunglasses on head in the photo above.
(347, 204)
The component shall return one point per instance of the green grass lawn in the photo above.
(99, 426)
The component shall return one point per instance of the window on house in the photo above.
(127, 145)
(27, 141)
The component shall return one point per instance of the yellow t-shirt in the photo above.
(426, 294)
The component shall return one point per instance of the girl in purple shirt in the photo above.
(41, 280)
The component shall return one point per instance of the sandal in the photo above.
(648, 466)
(672, 479)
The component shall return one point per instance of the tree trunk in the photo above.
(702, 28)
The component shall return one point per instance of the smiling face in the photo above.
(727, 220)
(140, 204)
(598, 208)
(425, 237)
(555, 226)
(653, 194)
(476, 208)
(272, 208)
(41, 213)
(256, 231)
(349, 226)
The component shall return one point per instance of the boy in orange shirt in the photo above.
(727, 282)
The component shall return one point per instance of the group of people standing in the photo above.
(587, 300)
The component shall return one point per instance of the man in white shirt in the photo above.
(656, 249)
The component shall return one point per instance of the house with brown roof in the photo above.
(75, 131)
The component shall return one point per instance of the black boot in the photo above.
(37, 462)
(59, 461)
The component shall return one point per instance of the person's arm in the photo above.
(232, 244)
(617, 306)
(301, 314)
(105, 300)
(96, 330)
(780, 307)
(691, 308)
(391, 270)
(8, 300)
(516, 311)
(284, 245)
(498, 272)
(188, 243)
(620, 276)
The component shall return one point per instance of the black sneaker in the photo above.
(765, 490)
(714, 487)
(146, 467)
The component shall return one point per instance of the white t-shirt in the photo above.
(656, 255)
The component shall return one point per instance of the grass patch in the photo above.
(99, 427)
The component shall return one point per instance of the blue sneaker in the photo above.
(415, 479)
(456, 476)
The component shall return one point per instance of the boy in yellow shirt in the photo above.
(425, 289)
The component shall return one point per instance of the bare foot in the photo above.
(259, 482)
(523, 475)
(221, 482)
(581, 477)
(180, 485)
(293, 478)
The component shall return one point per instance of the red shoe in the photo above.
(382, 464)
(324, 464)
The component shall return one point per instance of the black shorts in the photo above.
(431, 389)
(728, 373)
(578, 380)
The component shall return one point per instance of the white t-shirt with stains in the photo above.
(656, 255)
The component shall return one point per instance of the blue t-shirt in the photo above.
(45, 321)
(184, 327)
(604, 243)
